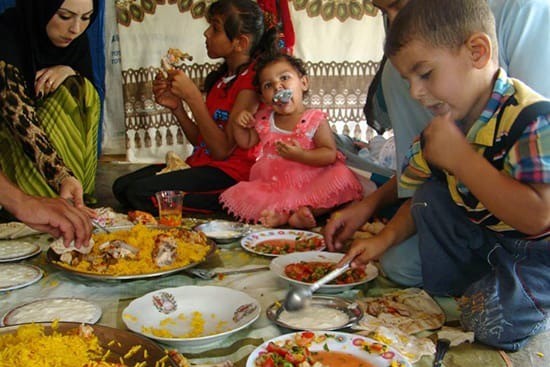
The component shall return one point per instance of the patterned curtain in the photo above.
(330, 36)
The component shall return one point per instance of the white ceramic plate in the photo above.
(13, 230)
(168, 315)
(251, 242)
(17, 250)
(354, 344)
(14, 276)
(278, 267)
(323, 313)
(48, 310)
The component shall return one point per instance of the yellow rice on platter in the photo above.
(192, 248)
(31, 347)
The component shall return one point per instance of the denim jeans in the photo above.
(504, 283)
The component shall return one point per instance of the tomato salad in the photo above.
(312, 271)
(286, 246)
(290, 354)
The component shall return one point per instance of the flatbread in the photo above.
(59, 248)
(173, 163)
(410, 346)
(369, 229)
(12, 230)
(174, 59)
(107, 217)
(410, 310)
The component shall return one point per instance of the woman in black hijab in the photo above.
(49, 109)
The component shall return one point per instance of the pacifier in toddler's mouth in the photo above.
(283, 96)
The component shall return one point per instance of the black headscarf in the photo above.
(26, 45)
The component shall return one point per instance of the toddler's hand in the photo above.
(289, 150)
(245, 119)
(444, 145)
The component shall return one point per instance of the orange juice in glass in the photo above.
(170, 204)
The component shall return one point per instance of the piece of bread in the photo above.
(59, 248)
(174, 59)
(173, 163)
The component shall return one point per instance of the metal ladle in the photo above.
(298, 297)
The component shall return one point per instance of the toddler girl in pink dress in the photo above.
(298, 173)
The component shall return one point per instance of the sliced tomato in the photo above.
(274, 348)
(268, 362)
(295, 358)
(305, 338)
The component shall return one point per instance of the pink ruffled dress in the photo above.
(283, 185)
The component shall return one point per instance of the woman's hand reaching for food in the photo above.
(49, 79)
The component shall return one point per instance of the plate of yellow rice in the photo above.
(191, 315)
(67, 344)
(192, 249)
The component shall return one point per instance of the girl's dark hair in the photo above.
(241, 17)
(270, 57)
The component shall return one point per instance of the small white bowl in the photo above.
(170, 311)
(323, 313)
(279, 263)
(223, 231)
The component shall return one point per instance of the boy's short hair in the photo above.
(441, 24)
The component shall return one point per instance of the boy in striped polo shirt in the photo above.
(482, 169)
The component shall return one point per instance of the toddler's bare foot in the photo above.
(302, 218)
(271, 218)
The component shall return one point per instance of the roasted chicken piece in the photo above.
(174, 58)
(164, 252)
(141, 217)
(118, 249)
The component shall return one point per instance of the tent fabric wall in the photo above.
(341, 53)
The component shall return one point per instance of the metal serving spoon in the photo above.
(298, 296)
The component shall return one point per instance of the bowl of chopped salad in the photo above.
(305, 268)
(323, 349)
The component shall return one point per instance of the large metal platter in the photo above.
(53, 258)
(124, 341)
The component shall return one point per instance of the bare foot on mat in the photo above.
(271, 218)
(302, 218)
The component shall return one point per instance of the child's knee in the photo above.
(502, 317)
(402, 264)
(506, 336)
